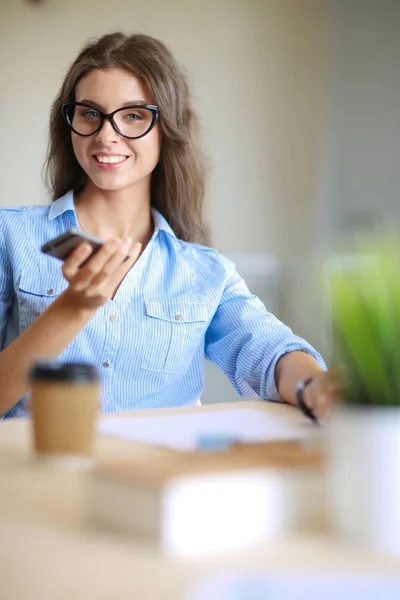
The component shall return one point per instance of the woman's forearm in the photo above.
(47, 337)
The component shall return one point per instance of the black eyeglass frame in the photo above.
(110, 117)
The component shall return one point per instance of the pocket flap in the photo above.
(176, 311)
(42, 284)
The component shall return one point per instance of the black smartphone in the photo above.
(63, 245)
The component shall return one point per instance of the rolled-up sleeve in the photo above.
(246, 341)
(6, 288)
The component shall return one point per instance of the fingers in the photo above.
(115, 260)
(328, 398)
(328, 394)
(116, 268)
(324, 404)
(111, 254)
(322, 394)
(81, 273)
(75, 260)
(95, 279)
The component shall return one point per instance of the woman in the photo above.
(124, 165)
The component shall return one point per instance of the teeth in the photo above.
(111, 159)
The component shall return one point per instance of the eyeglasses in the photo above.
(131, 122)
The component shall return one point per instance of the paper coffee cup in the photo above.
(65, 400)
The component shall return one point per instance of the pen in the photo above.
(306, 410)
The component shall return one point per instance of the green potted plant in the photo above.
(364, 432)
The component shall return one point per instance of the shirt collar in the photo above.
(60, 206)
(161, 223)
(66, 202)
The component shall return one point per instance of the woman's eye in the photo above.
(90, 114)
(132, 116)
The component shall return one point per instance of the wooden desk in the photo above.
(47, 551)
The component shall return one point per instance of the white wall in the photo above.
(363, 139)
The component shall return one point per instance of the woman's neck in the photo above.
(108, 214)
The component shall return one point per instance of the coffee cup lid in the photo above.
(54, 371)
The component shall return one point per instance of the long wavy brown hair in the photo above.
(178, 181)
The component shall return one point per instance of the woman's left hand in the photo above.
(322, 393)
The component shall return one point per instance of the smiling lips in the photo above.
(110, 161)
(116, 158)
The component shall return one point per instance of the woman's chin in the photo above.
(111, 184)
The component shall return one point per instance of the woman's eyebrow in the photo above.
(100, 107)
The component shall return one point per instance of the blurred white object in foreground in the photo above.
(207, 513)
(364, 477)
(298, 587)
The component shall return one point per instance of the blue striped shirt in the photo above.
(179, 303)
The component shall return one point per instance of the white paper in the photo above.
(182, 432)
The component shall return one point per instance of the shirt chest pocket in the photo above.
(172, 333)
(36, 291)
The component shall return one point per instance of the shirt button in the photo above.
(106, 364)
(178, 317)
(113, 318)
(50, 291)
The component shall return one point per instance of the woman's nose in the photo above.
(107, 133)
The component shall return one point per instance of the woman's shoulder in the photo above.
(10, 215)
(18, 211)
(208, 257)
(19, 224)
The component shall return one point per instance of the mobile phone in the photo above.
(62, 246)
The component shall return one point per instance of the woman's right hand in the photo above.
(94, 283)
